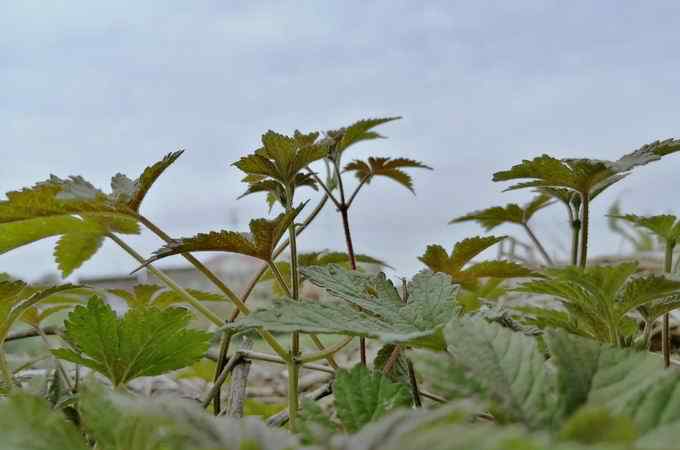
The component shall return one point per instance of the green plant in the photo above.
(582, 178)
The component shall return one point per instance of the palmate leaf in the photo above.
(29, 423)
(381, 314)
(321, 258)
(259, 243)
(145, 342)
(362, 396)
(438, 260)
(665, 226)
(361, 130)
(277, 166)
(509, 365)
(583, 175)
(385, 167)
(143, 295)
(77, 211)
(599, 297)
(492, 217)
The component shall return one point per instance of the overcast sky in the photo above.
(96, 88)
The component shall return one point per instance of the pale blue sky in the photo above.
(94, 88)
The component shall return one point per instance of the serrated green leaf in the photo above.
(382, 314)
(399, 371)
(16, 297)
(664, 226)
(28, 423)
(598, 426)
(118, 422)
(132, 193)
(626, 382)
(359, 131)
(509, 365)
(447, 376)
(259, 243)
(598, 298)
(72, 250)
(492, 217)
(145, 342)
(385, 167)
(143, 295)
(582, 175)
(438, 260)
(362, 396)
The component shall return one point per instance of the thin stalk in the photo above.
(666, 328)
(364, 180)
(293, 400)
(253, 282)
(5, 371)
(538, 244)
(293, 369)
(257, 356)
(279, 277)
(221, 363)
(324, 187)
(322, 354)
(235, 358)
(585, 213)
(575, 230)
(60, 367)
(211, 316)
(238, 303)
(31, 332)
(414, 384)
(392, 360)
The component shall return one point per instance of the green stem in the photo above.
(666, 329)
(293, 369)
(538, 244)
(7, 377)
(279, 277)
(211, 316)
(321, 354)
(60, 367)
(238, 303)
(293, 400)
(207, 313)
(585, 213)
(364, 180)
(575, 230)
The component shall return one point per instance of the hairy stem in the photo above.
(666, 328)
(293, 400)
(293, 369)
(279, 277)
(364, 180)
(324, 187)
(538, 244)
(5, 371)
(206, 312)
(585, 213)
(238, 303)
(211, 316)
(322, 354)
(344, 214)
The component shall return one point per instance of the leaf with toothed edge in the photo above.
(385, 167)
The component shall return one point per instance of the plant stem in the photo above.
(364, 180)
(666, 328)
(321, 354)
(7, 377)
(238, 303)
(279, 277)
(575, 230)
(293, 401)
(414, 384)
(585, 213)
(392, 360)
(60, 367)
(324, 187)
(253, 282)
(211, 316)
(293, 369)
(538, 244)
(235, 358)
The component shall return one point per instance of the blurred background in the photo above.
(94, 89)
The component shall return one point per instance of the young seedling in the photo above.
(338, 141)
(493, 217)
(666, 228)
(583, 177)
